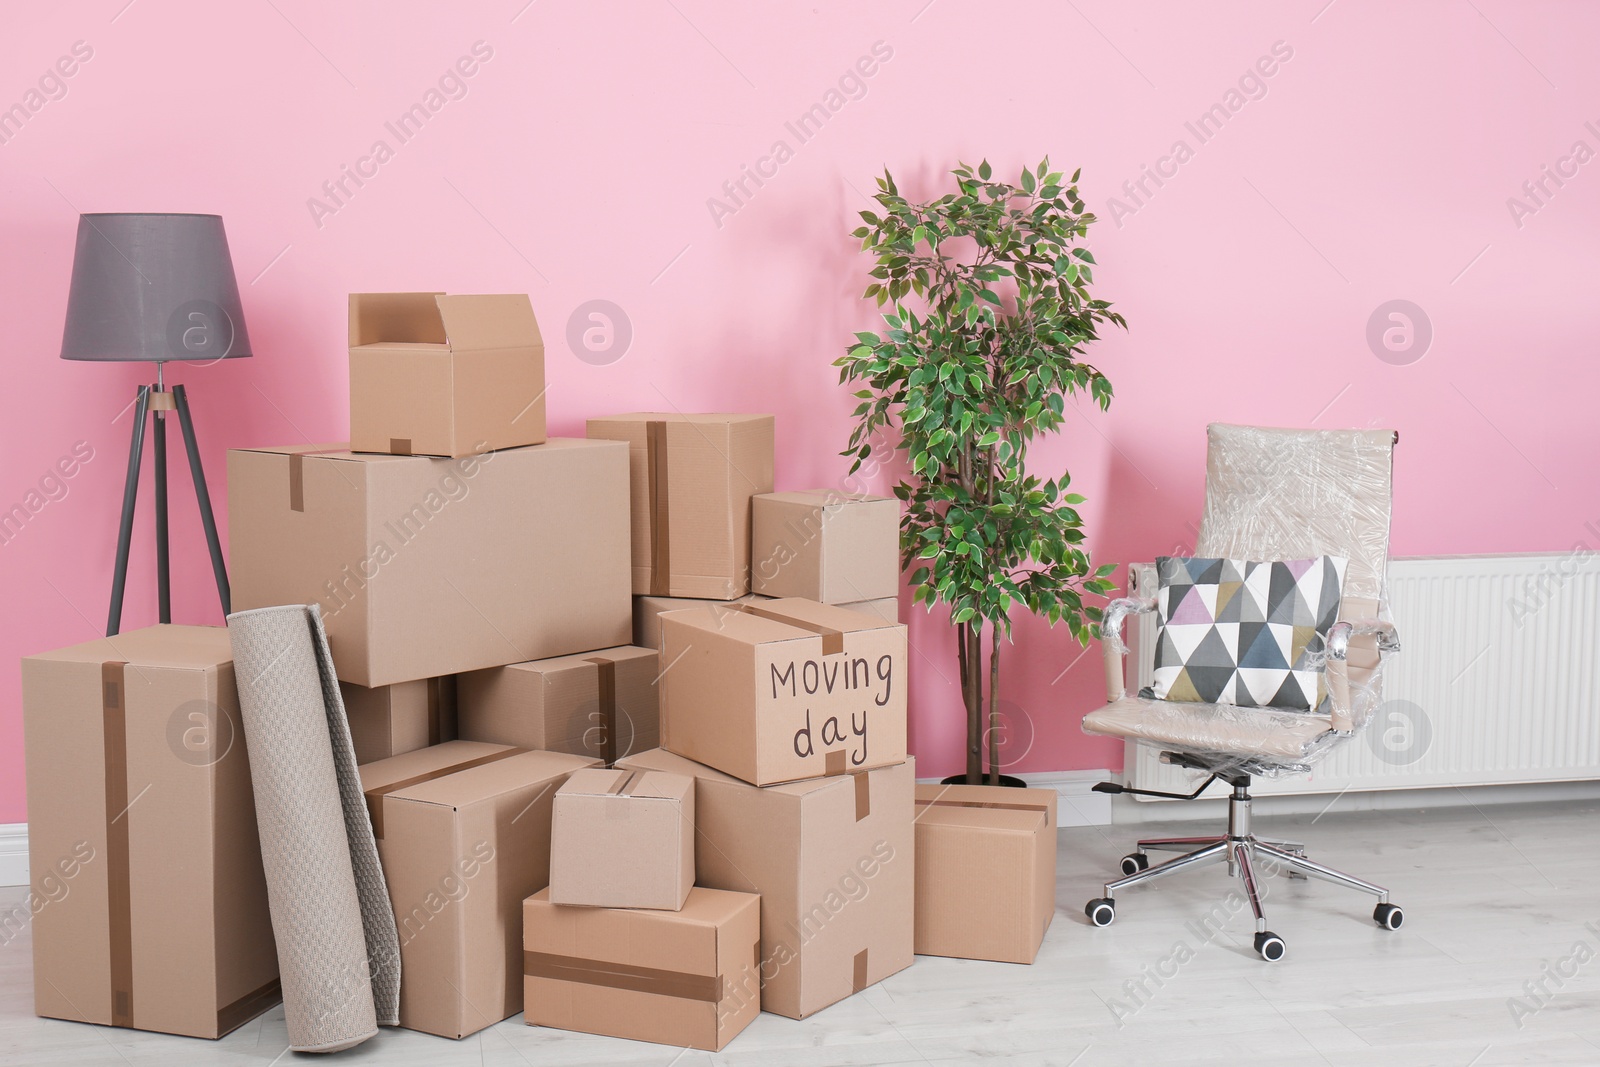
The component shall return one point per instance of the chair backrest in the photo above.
(1292, 494)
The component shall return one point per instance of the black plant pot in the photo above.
(1005, 779)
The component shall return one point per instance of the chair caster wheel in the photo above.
(1270, 945)
(1101, 911)
(1134, 862)
(1388, 916)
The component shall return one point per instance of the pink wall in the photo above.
(1374, 163)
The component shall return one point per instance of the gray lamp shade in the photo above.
(152, 288)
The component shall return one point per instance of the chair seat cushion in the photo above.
(1248, 732)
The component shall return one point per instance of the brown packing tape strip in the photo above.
(376, 794)
(833, 763)
(858, 976)
(607, 697)
(863, 795)
(660, 532)
(399, 446)
(232, 1016)
(119, 891)
(702, 987)
(1041, 806)
(297, 474)
(433, 710)
(832, 640)
(624, 785)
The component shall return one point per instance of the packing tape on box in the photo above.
(433, 710)
(858, 975)
(232, 1016)
(655, 442)
(832, 640)
(863, 795)
(376, 794)
(679, 984)
(399, 446)
(297, 474)
(119, 891)
(606, 694)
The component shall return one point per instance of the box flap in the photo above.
(339, 450)
(655, 785)
(984, 806)
(475, 323)
(492, 779)
(585, 660)
(825, 498)
(659, 759)
(810, 615)
(410, 317)
(180, 647)
(704, 418)
(384, 773)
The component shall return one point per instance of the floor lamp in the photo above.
(150, 288)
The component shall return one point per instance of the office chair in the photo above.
(1271, 494)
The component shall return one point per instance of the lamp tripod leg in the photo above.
(130, 492)
(203, 497)
(158, 456)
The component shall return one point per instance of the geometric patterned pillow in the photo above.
(1245, 633)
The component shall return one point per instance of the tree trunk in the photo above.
(994, 706)
(973, 696)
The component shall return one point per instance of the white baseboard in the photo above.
(14, 853)
(1077, 805)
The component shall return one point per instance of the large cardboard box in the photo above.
(825, 545)
(148, 902)
(783, 690)
(687, 978)
(438, 375)
(426, 567)
(832, 859)
(623, 839)
(464, 837)
(693, 477)
(402, 717)
(601, 704)
(647, 612)
(986, 871)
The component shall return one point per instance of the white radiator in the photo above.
(1497, 681)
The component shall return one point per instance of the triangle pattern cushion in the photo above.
(1244, 632)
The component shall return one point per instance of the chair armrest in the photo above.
(1111, 646)
(1336, 666)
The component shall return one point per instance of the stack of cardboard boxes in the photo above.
(480, 584)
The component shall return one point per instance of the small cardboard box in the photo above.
(438, 375)
(832, 861)
(647, 612)
(825, 545)
(623, 839)
(783, 690)
(986, 871)
(148, 902)
(426, 567)
(402, 717)
(693, 477)
(464, 837)
(688, 978)
(600, 704)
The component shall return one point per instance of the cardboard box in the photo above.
(887, 609)
(426, 567)
(783, 690)
(438, 375)
(986, 871)
(693, 477)
(600, 704)
(464, 837)
(825, 545)
(832, 859)
(623, 839)
(402, 717)
(647, 612)
(148, 902)
(685, 978)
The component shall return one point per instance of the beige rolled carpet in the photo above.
(338, 949)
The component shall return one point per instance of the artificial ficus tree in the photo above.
(986, 304)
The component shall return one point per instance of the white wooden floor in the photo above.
(1495, 897)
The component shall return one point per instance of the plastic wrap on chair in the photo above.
(1281, 494)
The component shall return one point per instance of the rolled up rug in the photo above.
(338, 948)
